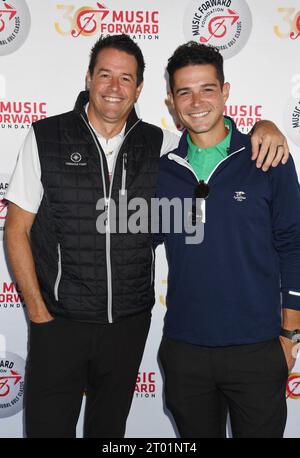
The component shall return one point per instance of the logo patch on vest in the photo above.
(76, 160)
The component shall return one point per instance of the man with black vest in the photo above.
(88, 294)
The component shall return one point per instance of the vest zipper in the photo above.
(107, 210)
(124, 169)
(184, 163)
(58, 277)
(108, 260)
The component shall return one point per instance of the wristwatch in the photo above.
(292, 335)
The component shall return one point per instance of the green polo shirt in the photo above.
(203, 161)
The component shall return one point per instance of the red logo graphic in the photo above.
(245, 116)
(3, 208)
(21, 114)
(10, 293)
(293, 35)
(86, 22)
(293, 386)
(145, 385)
(217, 27)
(10, 12)
(5, 382)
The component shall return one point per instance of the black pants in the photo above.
(68, 357)
(202, 384)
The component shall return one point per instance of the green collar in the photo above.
(221, 148)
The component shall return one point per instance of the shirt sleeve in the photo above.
(286, 230)
(25, 187)
(170, 141)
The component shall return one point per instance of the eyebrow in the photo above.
(109, 71)
(202, 86)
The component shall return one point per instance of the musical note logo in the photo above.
(12, 370)
(86, 22)
(4, 382)
(3, 208)
(226, 27)
(217, 25)
(10, 12)
(293, 386)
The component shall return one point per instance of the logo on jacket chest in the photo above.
(76, 160)
(240, 196)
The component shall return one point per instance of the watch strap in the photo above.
(292, 335)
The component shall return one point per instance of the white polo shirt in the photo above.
(25, 188)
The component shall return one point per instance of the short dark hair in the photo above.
(193, 53)
(122, 43)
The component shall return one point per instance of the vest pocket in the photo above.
(57, 281)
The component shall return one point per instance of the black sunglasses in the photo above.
(202, 190)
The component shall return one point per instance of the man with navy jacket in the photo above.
(233, 317)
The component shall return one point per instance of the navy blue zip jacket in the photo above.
(230, 288)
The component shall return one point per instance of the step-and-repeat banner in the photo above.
(44, 54)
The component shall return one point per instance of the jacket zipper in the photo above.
(152, 266)
(107, 210)
(58, 277)
(184, 163)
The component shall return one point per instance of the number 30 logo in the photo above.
(292, 26)
(83, 21)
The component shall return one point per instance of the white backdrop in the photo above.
(43, 67)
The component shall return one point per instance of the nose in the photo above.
(114, 83)
(196, 99)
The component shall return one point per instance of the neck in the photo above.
(210, 138)
(105, 128)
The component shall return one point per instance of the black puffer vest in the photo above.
(83, 274)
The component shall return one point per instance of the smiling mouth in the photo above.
(199, 115)
(112, 99)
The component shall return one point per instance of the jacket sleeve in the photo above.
(286, 230)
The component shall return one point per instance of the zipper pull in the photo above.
(125, 161)
(124, 170)
(106, 212)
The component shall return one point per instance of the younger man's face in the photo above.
(198, 98)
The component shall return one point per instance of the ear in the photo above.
(171, 99)
(226, 91)
(88, 80)
(139, 90)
